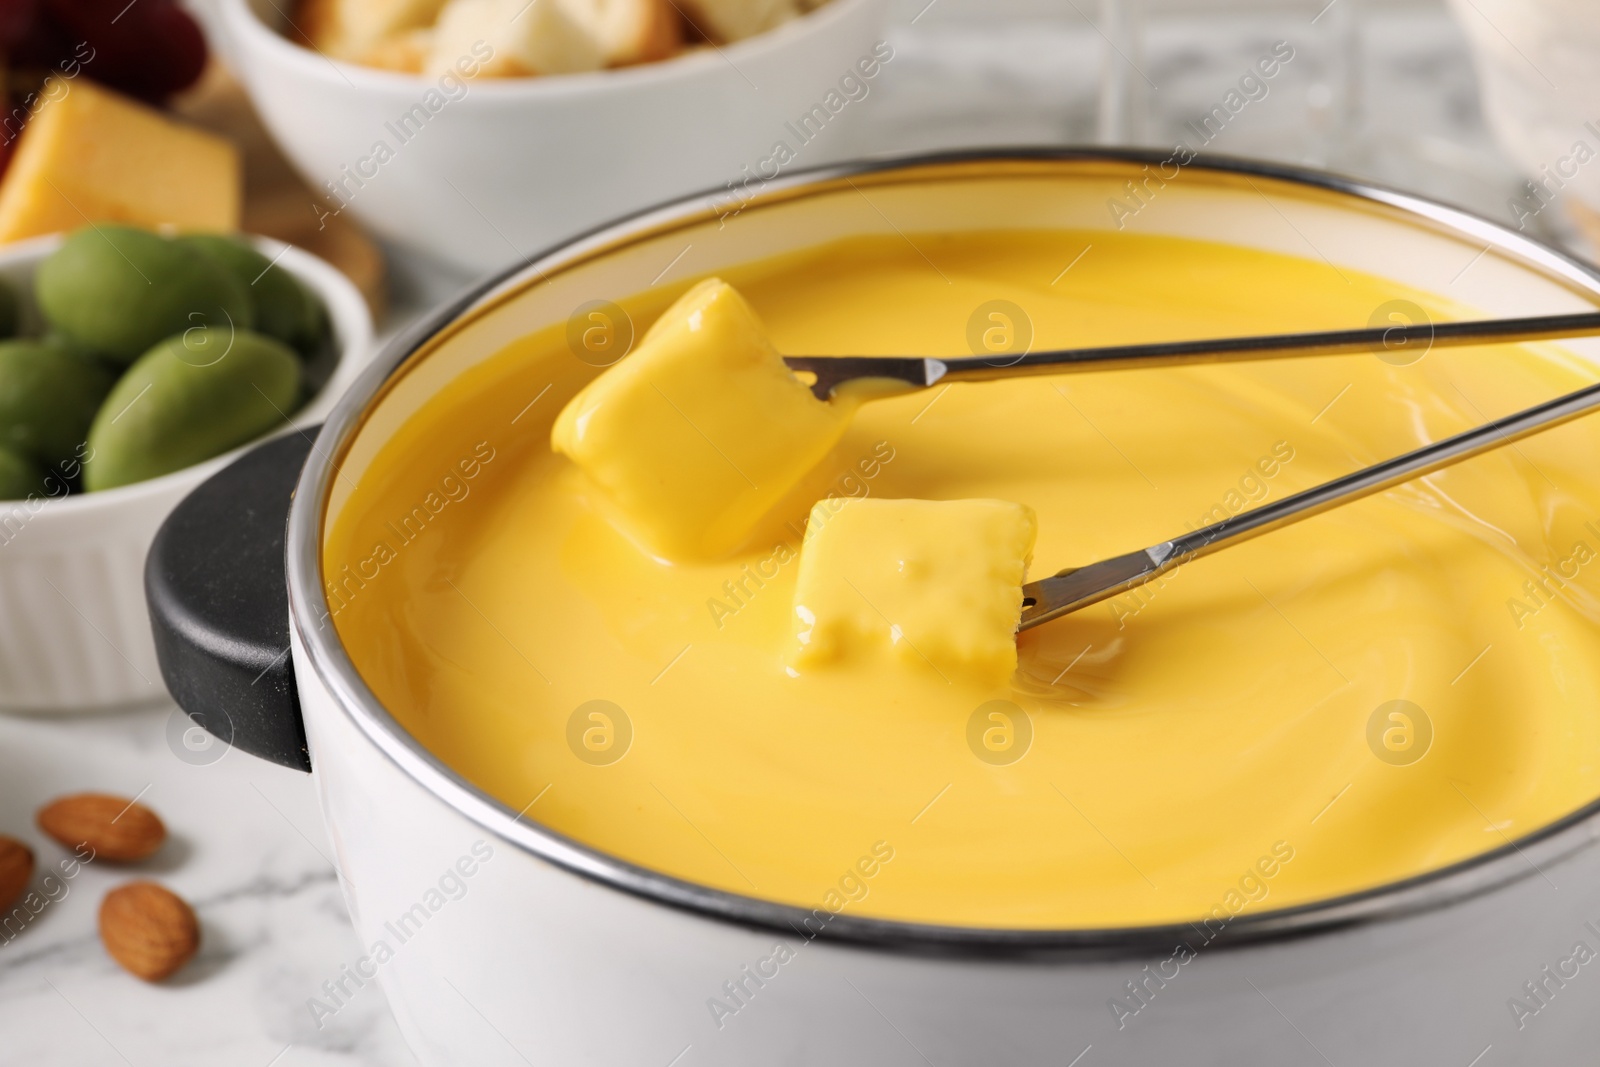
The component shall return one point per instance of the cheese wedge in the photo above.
(93, 155)
(694, 436)
(929, 584)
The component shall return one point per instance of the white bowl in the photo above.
(74, 633)
(511, 166)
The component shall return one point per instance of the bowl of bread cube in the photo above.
(480, 132)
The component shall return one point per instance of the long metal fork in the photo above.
(1078, 587)
(920, 372)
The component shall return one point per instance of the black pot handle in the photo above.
(219, 603)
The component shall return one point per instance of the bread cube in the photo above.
(734, 20)
(930, 584)
(693, 437)
(523, 37)
(404, 53)
(351, 29)
(630, 31)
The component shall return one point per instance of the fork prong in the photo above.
(831, 371)
(1077, 587)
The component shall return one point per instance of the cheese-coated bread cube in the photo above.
(696, 434)
(935, 584)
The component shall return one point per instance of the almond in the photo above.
(148, 929)
(16, 870)
(118, 830)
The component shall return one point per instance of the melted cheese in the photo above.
(1381, 691)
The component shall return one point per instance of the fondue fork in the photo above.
(920, 372)
(1078, 587)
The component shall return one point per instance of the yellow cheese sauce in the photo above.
(1225, 741)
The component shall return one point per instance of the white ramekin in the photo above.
(511, 166)
(74, 632)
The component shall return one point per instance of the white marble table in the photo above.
(248, 847)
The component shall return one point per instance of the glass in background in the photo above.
(1536, 62)
(1381, 90)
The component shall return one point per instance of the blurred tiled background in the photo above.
(1381, 90)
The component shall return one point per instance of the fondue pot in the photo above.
(499, 941)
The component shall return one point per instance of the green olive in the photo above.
(189, 398)
(283, 308)
(20, 477)
(114, 291)
(48, 397)
(10, 310)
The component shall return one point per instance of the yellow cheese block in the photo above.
(91, 155)
(929, 583)
(694, 436)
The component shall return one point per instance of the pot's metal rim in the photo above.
(1461, 881)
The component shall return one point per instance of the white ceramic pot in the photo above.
(497, 170)
(498, 941)
(74, 633)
